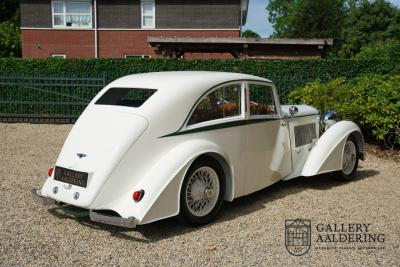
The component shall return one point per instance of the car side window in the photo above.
(221, 103)
(261, 100)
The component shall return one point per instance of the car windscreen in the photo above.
(128, 97)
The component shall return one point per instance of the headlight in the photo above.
(329, 118)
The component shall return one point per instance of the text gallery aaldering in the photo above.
(330, 236)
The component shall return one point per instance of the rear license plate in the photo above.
(70, 176)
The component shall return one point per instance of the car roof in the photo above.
(177, 93)
(186, 82)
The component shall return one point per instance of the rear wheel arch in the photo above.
(206, 160)
(226, 168)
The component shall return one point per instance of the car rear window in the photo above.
(128, 97)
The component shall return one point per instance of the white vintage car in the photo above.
(155, 145)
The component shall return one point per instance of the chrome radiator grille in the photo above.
(304, 134)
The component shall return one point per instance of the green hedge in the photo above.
(285, 74)
(372, 101)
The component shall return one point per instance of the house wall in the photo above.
(179, 18)
(36, 13)
(112, 43)
(221, 14)
(119, 14)
(170, 14)
(121, 43)
(44, 43)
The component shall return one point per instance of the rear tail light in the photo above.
(50, 172)
(138, 195)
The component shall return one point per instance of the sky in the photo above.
(257, 17)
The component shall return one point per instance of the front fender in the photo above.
(162, 183)
(327, 153)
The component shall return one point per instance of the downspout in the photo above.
(241, 18)
(96, 42)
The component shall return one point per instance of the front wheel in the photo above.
(349, 160)
(202, 192)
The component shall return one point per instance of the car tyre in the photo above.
(202, 192)
(350, 160)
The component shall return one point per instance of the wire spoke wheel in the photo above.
(349, 157)
(202, 191)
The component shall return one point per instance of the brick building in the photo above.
(121, 28)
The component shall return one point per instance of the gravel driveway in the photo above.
(250, 231)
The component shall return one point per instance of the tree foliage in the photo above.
(9, 11)
(369, 22)
(250, 34)
(306, 18)
(351, 23)
(10, 45)
(9, 29)
(381, 50)
(281, 13)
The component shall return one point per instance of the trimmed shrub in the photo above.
(285, 74)
(372, 101)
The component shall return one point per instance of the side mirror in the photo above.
(293, 110)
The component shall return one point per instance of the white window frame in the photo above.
(275, 97)
(61, 56)
(65, 14)
(142, 3)
(238, 117)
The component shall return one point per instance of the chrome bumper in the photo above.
(94, 216)
(113, 220)
(37, 196)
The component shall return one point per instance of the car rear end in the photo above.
(100, 138)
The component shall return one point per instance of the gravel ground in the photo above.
(250, 231)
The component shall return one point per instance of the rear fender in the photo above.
(327, 153)
(162, 184)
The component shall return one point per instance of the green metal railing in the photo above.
(59, 98)
(62, 98)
